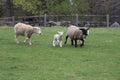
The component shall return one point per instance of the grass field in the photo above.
(99, 59)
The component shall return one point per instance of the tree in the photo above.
(9, 8)
(115, 7)
(53, 6)
(69, 7)
(6, 8)
(33, 6)
(82, 6)
(62, 7)
(1, 11)
(105, 7)
(44, 6)
(38, 7)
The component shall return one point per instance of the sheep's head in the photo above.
(37, 30)
(85, 31)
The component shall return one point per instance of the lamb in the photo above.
(57, 40)
(25, 30)
(75, 33)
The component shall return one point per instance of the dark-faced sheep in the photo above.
(25, 30)
(76, 33)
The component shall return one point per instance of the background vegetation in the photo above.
(38, 7)
(99, 59)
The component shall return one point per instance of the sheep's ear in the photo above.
(81, 29)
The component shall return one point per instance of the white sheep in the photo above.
(76, 33)
(57, 40)
(25, 30)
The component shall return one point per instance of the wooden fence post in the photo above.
(107, 18)
(77, 20)
(45, 19)
(13, 20)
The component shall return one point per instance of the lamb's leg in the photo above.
(60, 44)
(16, 39)
(66, 39)
(53, 43)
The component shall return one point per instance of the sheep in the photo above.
(25, 30)
(75, 33)
(57, 40)
(53, 23)
(58, 23)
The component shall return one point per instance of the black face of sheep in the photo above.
(85, 31)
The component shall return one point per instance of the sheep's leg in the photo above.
(75, 43)
(60, 43)
(54, 43)
(26, 39)
(30, 41)
(66, 39)
(82, 42)
(16, 39)
(72, 42)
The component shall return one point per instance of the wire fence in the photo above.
(62, 20)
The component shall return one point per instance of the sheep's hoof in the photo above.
(81, 45)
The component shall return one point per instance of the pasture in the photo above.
(98, 59)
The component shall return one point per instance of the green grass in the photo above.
(99, 59)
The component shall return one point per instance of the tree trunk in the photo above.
(9, 8)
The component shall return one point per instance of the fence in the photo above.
(80, 20)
